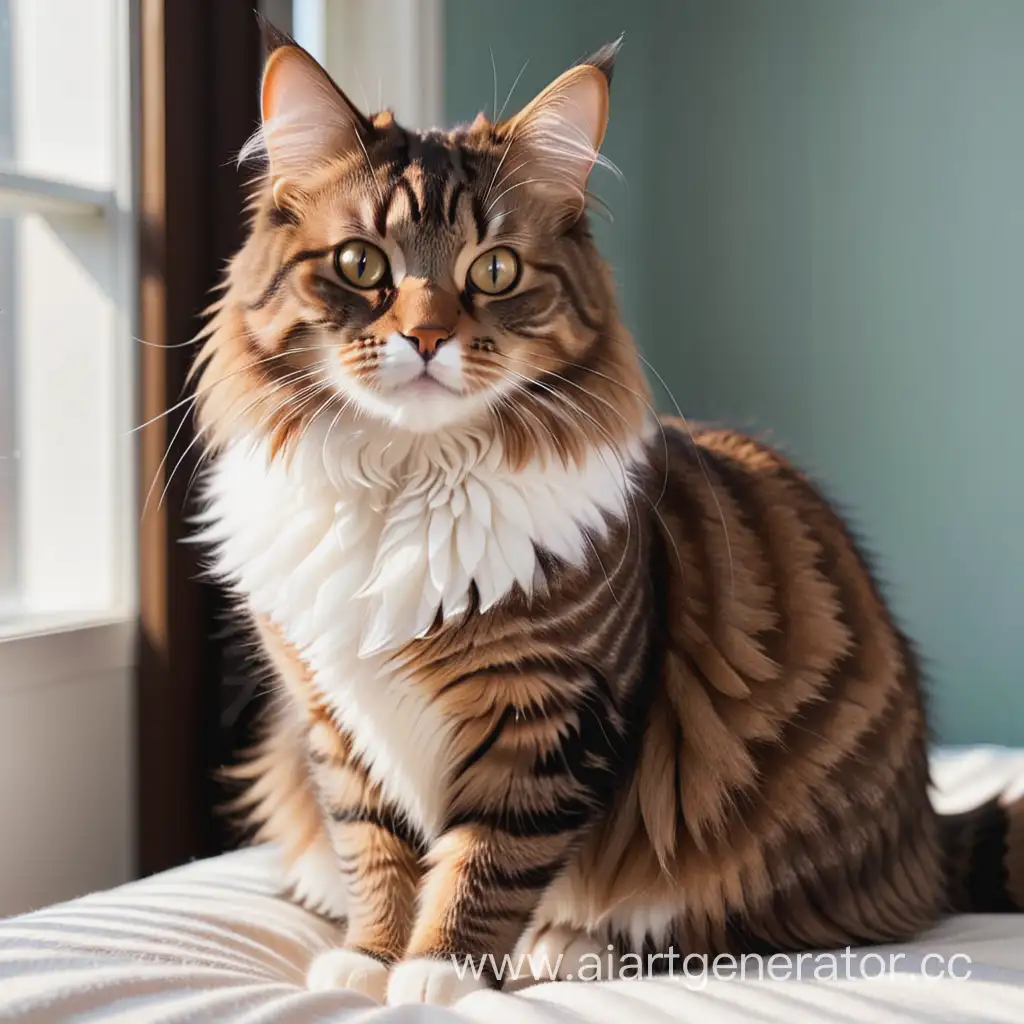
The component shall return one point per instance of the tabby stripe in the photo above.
(380, 211)
(489, 915)
(815, 894)
(387, 820)
(738, 482)
(551, 628)
(569, 286)
(453, 201)
(570, 816)
(525, 666)
(280, 216)
(403, 154)
(816, 720)
(457, 155)
(620, 649)
(405, 186)
(433, 197)
(827, 511)
(479, 218)
(527, 330)
(486, 743)
(587, 751)
(524, 298)
(904, 845)
(284, 270)
(554, 761)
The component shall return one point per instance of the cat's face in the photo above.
(425, 279)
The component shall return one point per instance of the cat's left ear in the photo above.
(559, 133)
(307, 119)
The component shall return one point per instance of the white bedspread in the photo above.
(213, 941)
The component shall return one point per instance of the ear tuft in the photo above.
(273, 37)
(604, 59)
(559, 133)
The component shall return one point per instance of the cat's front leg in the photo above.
(475, 902)
(378, 857)
(539, 759)
(381, 871)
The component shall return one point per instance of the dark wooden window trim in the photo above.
(198, 71)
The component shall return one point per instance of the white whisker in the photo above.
(609, 440)
(494, 177)
(220, 380)
(373, 173)
(512, 90)
(259, 398)
(654, 507)
(494, 73)
(174, 437)
(700, 463)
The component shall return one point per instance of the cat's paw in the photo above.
(347, 968)
(559, 953)
(423, 980)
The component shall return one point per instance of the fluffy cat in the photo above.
(552, 673)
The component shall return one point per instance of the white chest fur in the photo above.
(353, 546)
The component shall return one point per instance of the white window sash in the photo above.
(356, 39)
(30, 193)
(100, 221)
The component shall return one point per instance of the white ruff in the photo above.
(354, 547)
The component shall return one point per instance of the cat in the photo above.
(553, 674)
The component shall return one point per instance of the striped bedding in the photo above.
(214, 941)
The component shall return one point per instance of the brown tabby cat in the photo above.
(552, 673)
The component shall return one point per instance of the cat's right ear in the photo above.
(307, 119)
(558, 134)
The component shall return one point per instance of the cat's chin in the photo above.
(425, 389)
(424, 406)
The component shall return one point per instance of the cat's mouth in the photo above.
(425, 385)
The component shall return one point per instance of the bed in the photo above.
(215, 941)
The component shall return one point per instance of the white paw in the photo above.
(346, 968)
(431, 981)
(564, 954)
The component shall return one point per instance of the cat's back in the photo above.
(776, 636)
(785, 744)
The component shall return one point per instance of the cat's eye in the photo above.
(361, 264)
(495, 271)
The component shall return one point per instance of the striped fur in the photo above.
(553, 673)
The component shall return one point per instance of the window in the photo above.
(66, 309)
(357, 42)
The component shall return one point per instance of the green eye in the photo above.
(361, 264)
(495, 271)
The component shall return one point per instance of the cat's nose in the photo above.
(426, 315)
(427, 339)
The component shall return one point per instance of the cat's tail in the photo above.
(985, 856)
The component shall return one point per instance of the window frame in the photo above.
(34, 193)
(36, 647)
(353, 41)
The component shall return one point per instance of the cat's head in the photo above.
(423, 280)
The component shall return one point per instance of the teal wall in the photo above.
(822, 240)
